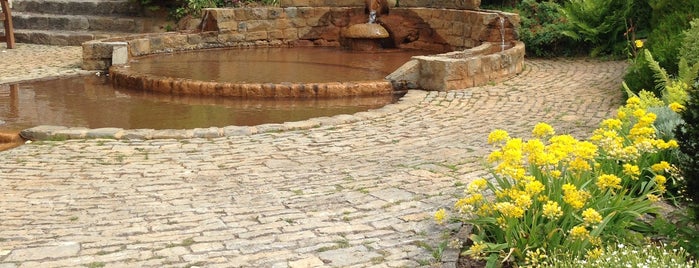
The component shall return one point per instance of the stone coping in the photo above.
(58, 133)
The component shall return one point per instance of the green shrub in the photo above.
(542, 27)
(688, 137)
(690, 45)
(639, 75)
(600, 24)
(669, 19)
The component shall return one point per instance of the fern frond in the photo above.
(687, 74)
(660, 75)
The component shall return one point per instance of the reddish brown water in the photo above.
(276, 65)
(91, 102)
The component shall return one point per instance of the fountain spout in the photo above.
(375, 8)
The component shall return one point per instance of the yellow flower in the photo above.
(552, 210)
(621, 115)
(477, 185)
(591, 216)
(579, 232)
(477, 250)
(594, 254)
(579, 164)
(653, 198)
(497, 136)
(612, 123)
(542, 130)
(632, 171)
(676, 107)
(440, 216)
(534, 187)
(555, 173)
(523, 201)
(509, 210)
(638, 43)
(574, 197)
(608, 181)
(660, 167)
(660, 179)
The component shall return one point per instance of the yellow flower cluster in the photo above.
(509, 210)
(608, 181)
(440, 216)
(476, 186)
(641, 138)
(552, 210)
(579, 232)
(477, 250)
(591, 216)
(633, 171)
(574, 197)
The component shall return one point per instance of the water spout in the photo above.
(372, 16)
(502, 33)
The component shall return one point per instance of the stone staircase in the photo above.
(72, 22)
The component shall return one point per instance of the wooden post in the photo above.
(6, 19)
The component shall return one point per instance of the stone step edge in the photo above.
(68, 7)
(60, 133)
(139, 23)
(62, 38)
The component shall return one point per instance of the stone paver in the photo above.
(354, 194)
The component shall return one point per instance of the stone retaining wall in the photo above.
(418, 28)
(453, 4)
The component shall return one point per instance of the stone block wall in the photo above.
(454, 4)
(439, 30)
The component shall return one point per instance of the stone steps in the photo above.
(72, 22)
(78, 7)
(61, 38)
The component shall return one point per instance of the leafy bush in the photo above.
(639, 75)
(669, 19)
(688, 137)
(554, 193)
(690, 45)
(599, 23)
(542, 27)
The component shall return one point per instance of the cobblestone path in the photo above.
(349, 195)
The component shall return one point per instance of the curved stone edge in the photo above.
(124, 77)
(60, 133)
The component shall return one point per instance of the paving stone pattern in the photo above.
(358, 194)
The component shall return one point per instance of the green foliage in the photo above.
(645, 73)
(680, 230)
(669, 19)
(600, 24)
(688, 138)
(542, 28)
(639, 75)
(689, 50)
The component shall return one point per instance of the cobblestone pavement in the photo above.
(29, 62)
(349, 195)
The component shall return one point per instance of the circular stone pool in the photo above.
(296, 72)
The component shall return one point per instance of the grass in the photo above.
(96, 264)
